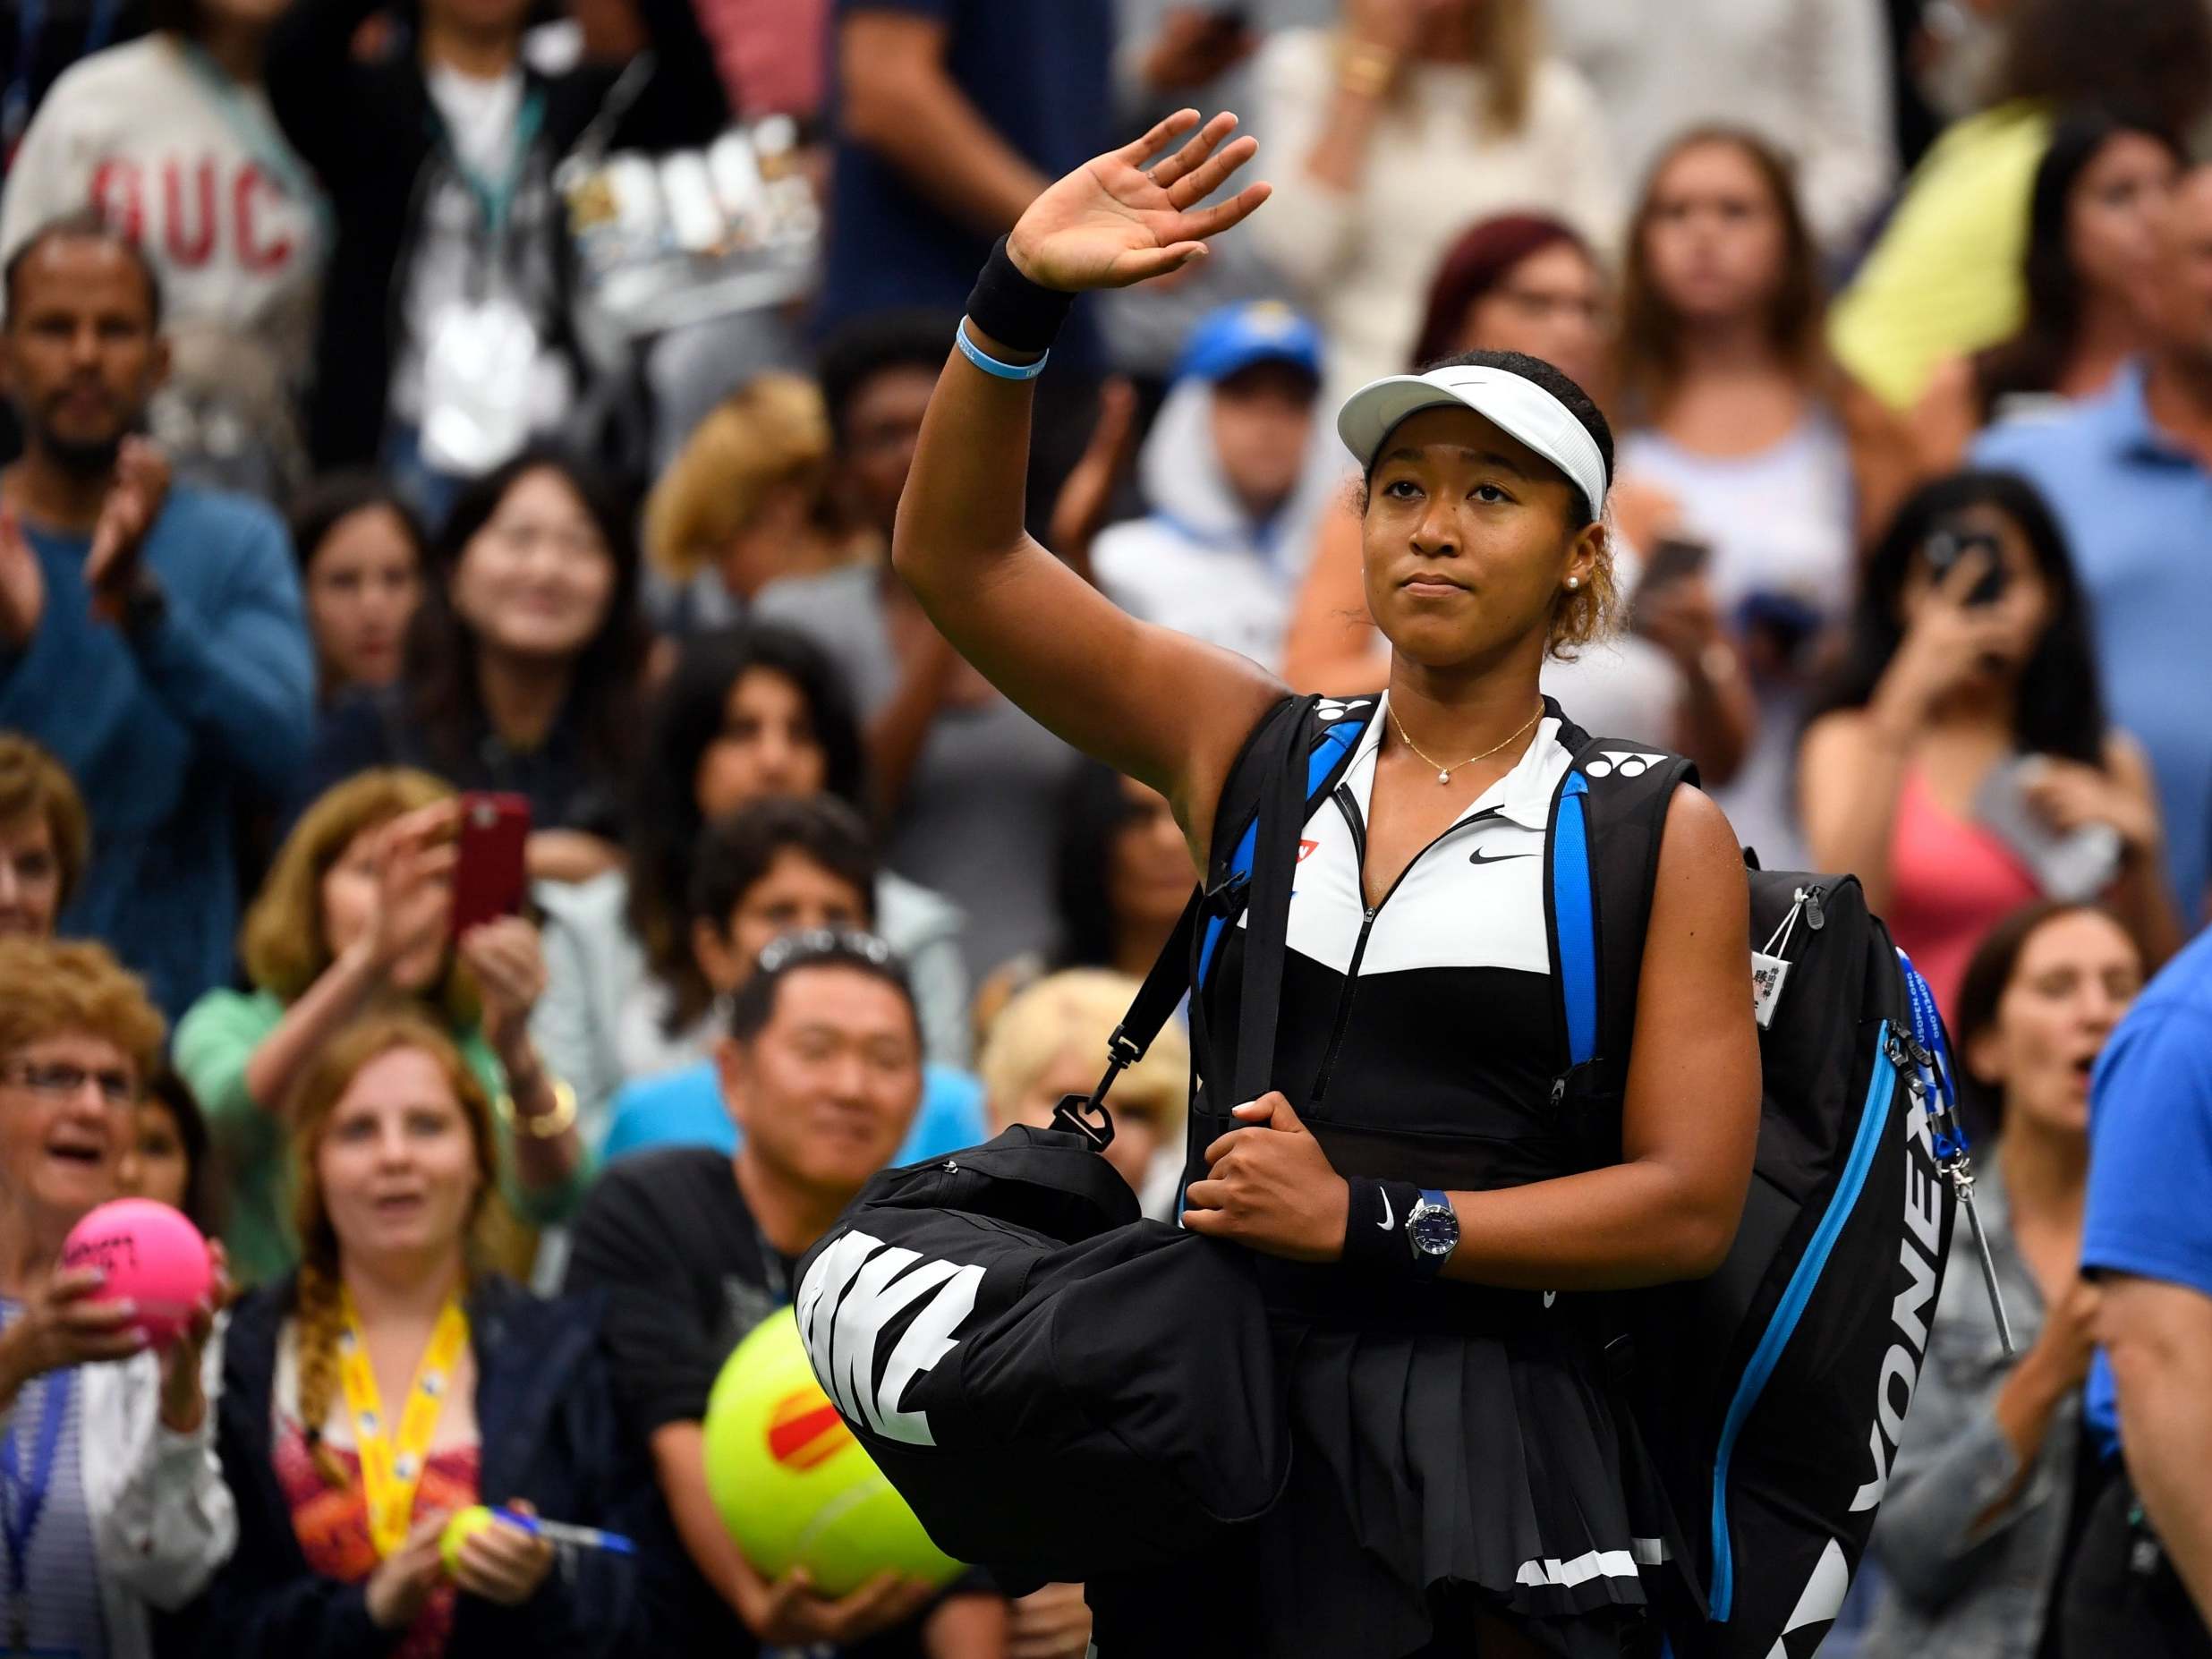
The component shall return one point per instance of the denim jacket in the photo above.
(1956, 1589)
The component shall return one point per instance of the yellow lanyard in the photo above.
(391, 1466)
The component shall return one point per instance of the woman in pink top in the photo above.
(1960, 762)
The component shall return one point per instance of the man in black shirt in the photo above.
(821, 1068)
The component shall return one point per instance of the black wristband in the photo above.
(1011, 309)
(1375, 1227)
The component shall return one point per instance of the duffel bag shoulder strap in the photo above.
(1294, 755)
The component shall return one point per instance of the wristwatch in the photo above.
(1432, 1231)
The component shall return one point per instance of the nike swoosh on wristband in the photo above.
(1480, 857)
(1385, 1222)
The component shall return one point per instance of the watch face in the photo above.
(1434, 1232)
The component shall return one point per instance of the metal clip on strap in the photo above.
(1946, 1135)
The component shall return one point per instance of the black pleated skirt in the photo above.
(1437, 1474)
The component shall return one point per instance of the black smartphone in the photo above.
(1947, 546)
(1674, 558)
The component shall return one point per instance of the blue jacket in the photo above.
(164, 733)
(552, 1432)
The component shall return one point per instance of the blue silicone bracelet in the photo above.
(990, 365)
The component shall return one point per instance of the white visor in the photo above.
(1515, 405)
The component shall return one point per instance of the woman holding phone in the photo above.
(357, 913)
(1426, 1381)
(1960, 762)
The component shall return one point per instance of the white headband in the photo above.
(1516, 405)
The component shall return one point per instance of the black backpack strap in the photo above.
(1604, 864)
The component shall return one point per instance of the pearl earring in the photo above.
(1574, 582)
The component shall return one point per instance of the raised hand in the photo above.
(1112, 222)
(133, 503)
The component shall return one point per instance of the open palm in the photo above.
(1111, 222)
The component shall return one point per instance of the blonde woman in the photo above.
(745, 503)
(1049, 1039)
(356, 914)
(116, 1441)
(343, 1490)
(1393, 133)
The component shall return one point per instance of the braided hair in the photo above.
(318, 1318)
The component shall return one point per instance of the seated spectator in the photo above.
(1236, 471)
(743, 505)
(1394, 129)
(171, 1159)
(2089, 277)
(1733, 412)
(1977, 1519)
(2142, 1582)
(135, 1514)
(780, 865)
(44, 837)
(2128, 476)
(361, 552)
(355, 915)
(389, 1343)
(523, 663)
(169, 138)
(446, 341)
(1051, 1042)
(1963, 741)
(747, 713)
(1944, 278)
(1523, 281)
(1809, 76)
(153, 635)
(821, 1067)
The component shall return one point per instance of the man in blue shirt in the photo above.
(2148, 1238)
(151, 638)
(2129, 473)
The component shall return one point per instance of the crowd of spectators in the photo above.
(411, 398)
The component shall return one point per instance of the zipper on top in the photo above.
(1348, 805)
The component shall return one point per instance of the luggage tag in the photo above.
(1770, 969)
(476, 382)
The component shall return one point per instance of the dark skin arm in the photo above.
(1667, 1210)
(1152, 704)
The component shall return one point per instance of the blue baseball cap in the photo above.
(1258, 331)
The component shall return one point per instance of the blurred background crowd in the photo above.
(424, 397)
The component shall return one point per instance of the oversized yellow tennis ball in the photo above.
(464, 1525)
(793, 1485)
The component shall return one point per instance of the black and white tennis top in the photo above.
(1418, 1038)
(1448, 1437)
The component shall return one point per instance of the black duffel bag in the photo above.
(1059, 1388)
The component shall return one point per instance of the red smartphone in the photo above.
(489, 878)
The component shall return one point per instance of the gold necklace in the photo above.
(1443, 773)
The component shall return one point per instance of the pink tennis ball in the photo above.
(152, 1256)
